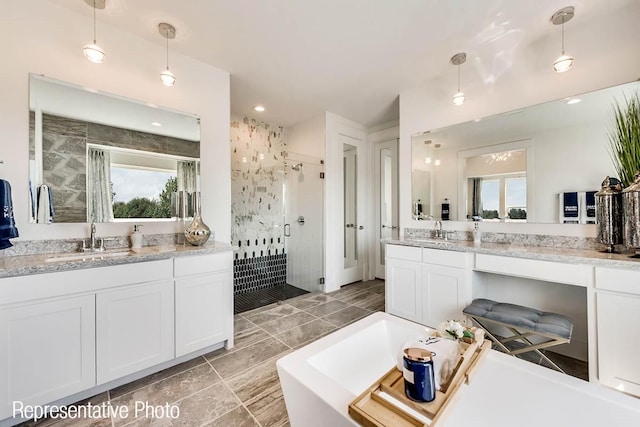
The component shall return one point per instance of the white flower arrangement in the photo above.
(455, 330)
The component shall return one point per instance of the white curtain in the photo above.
(187, 176)
(99, 196)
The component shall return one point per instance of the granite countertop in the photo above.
(53, 262)
(546, 253)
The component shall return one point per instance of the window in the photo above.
(149, 197)
(516, 198)
(501, 197)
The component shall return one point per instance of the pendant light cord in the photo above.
(563, 16)
(458, 77)
(94, 21)
(167, 48)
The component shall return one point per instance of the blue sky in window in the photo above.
(132, 183)
(517, 192)
(490, 194)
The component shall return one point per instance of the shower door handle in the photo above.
(287, 230)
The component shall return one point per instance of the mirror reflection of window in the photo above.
(66, 119)
(158, 179)
(498, 198)
(516, 198)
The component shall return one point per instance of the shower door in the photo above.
(304, 221)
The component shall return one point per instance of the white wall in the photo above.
(308, 137)
(606, 54)
(43, 38)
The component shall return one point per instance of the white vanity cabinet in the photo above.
(72, 334)
(446, 285)
(134, 329)
(427, 286)
(47, 351)
(618, 311)
(204, 301)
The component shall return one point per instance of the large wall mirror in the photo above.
(97, 157)
(539, 164)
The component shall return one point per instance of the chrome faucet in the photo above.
(93, 235)
(93, 242)
(439, 231)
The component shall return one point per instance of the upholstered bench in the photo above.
(523, 322)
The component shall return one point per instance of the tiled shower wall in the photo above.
(64, 157)
(257, 159)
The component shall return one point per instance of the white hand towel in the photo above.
(44, 207)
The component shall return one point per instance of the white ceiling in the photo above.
(300, 58)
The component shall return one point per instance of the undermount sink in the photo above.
(431, 240)
(87, 256)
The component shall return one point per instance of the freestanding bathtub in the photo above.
(321, 379)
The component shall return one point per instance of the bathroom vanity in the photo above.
(81, 326)
(429, 282)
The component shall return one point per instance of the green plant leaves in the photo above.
(624, 139)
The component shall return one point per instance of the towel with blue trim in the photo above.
(8, 228)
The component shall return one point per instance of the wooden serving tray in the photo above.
(373, 409)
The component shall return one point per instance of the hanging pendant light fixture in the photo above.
(564, 61)
(167, 31)
(428, 159)
(92, 51)
(437, 160)
(458, 59)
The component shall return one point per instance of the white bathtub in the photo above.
(320, 380)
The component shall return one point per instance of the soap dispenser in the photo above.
(136, 237)
(477, 234)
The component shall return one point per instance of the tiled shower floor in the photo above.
(240, 387)
(259, 298)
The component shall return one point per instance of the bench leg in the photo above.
(517, 335)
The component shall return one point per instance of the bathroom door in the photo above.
(386, 199)
(352, 213)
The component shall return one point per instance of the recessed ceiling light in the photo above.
(259, 108)
(156, 124)
(574, 101)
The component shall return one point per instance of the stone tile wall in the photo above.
(258, 152)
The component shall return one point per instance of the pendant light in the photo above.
(428, 159)
(437, 160)
(167, 31)
(92, 51)
(564, 61)
(458, 59)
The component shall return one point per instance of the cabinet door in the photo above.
(403, 289)
(202, 311)
(47, 351)
(441, 294)
(134, 329)
(618, 344)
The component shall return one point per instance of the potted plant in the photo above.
(624, 139)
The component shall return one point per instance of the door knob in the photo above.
(361, 227)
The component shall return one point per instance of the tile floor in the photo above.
(240, 387)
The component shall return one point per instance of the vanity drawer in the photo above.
(200, 264)
(49, 285)
(618, 279)
(409, 253)
(548, 271)
(444, 257)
